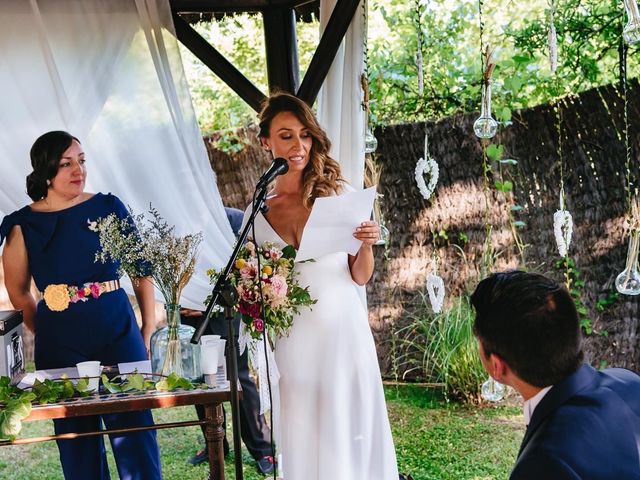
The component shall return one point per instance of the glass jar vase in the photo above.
(628, 282)
(172, 350)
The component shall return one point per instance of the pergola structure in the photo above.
(279, 20)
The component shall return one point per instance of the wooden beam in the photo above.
(213, 6)
(217, 63)
(281, 46)
(327, 48)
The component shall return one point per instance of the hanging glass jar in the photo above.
(628, 282)
(172, 350)
(631, 31)
(492, 391)
(485, 126)
(370, 141)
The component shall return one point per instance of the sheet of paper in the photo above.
(52, 374)
(143, 366)
(332, 222)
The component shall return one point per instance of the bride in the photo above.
(333, 417)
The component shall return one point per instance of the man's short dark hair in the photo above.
(531, 322)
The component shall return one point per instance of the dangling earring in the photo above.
(48, 182)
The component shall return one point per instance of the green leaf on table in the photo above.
(67, 388)
(173, 382)
(13, 413)
(7, 391)
(111, 387)
(135, 381)
(47, 391)
(82, 387)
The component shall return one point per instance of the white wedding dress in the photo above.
(333, 422)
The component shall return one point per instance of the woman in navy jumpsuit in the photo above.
(54, 241)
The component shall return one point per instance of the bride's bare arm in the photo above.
(361, 265)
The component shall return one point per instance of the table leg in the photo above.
(213, 435)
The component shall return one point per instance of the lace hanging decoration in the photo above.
(429, 167)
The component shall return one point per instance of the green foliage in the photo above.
(15, 403)
(442, 348)
(575, 285)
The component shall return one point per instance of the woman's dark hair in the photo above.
(46, 153)
(531, 322)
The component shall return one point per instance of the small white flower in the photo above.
(562, 230)
(435, 289)
(93, 226)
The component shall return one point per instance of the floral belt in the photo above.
(58, 296)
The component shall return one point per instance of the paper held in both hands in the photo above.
(332, 222)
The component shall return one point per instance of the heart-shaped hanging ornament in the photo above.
(435, 289)
(562, 230)
(428, 167)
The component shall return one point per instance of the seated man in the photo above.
(581, 423)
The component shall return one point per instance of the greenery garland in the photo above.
(16, 403)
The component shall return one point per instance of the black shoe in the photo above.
(200, 457)
(266, 465)
(402, 476)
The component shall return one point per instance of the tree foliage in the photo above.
(590, 53)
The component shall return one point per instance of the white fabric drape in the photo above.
(110, 73)
(339, 106)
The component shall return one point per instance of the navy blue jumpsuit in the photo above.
(61, 249)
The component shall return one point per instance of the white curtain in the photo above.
(340, 99)
(110, 73)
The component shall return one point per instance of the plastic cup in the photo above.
(90, 369)
(209, 357)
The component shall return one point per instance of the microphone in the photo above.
(278, 167)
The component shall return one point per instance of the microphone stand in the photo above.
(225, 294)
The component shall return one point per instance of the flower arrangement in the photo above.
(149, 247)
(281, 296)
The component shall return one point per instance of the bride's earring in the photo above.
(48, 182)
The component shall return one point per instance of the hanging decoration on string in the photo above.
(486, 126)
(553, 39)
(370, 141)
(429, 167)
(628, 281)
(419, 58)
(631, 31)
(435, 287)
(562, 227)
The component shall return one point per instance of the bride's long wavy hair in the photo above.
(321, 177)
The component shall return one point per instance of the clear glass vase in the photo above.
(485, 126)
(172, 350)
(628, 282)
(631, 31)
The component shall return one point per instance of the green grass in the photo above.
(434, 440)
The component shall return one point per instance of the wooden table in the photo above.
(211, 399)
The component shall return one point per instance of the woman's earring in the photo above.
(48, 182)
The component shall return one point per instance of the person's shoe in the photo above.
(200, 457)
(266, 465)
(402, 476)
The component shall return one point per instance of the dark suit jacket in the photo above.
(586, 427)
(218, 324)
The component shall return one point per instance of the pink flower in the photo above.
(80, 294)
(279, 286)
(258, 325)
(275, 254)
(249, 271)
(95, 289)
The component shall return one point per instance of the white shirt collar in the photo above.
(531, 404)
